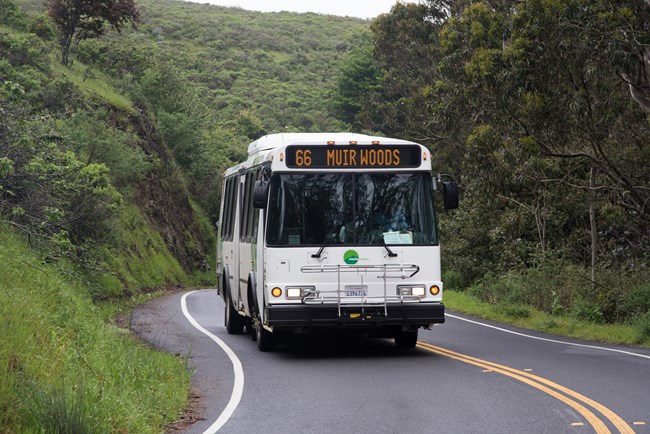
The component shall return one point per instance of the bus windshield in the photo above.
(351, 209)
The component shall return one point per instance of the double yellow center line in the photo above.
(573, 399)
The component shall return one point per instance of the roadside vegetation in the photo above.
(528, 317)
(110, 163)
(64, 369)
(110, 155)
(541, 110)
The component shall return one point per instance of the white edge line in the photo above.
(629, 353)
(238, 387)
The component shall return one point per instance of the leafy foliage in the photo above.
(358, 77)
(83, 19)
(109, 161)
(538, 107)
(51, 193)
(217, 78)
(10, 14)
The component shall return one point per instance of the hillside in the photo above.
(217, 78)
(109, 185)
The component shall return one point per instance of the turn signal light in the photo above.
(434, 290)
(276, 292)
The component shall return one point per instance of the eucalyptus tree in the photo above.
(359, 76)
(538, 104)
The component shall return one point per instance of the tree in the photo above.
(539, 107)
(358, 78)
(84, 19)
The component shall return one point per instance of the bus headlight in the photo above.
(298, 292)
(417, 291)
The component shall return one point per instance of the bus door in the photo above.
(246, 234)
(227, 254)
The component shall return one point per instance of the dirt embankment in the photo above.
(165, 199)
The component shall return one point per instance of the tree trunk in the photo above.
(65, 50)
(594, 229)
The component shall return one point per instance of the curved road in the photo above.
(465, 376)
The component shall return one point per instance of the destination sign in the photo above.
(353, 156)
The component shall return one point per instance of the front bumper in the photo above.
(368, 317)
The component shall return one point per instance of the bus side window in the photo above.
(229, 208)
(243, 209)
(227, 191)
(233, 207)
(251, 230)
(246, 219)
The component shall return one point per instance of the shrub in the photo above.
(40, 26)
(49, 193)
(10, 14)
(22, 50)
(587, 310)
(637, 302)
(453, 280)
(643, 328)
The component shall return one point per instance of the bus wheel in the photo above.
(266, 341)
(406, 339)
(234, 322)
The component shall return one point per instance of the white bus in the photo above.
(331, 231)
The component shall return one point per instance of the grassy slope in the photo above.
(533, 319)
(62, 366)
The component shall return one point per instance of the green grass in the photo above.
(93, 83)
(530, 318)
(143, 261)
(64, 369)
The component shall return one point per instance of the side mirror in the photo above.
(450, 194)
(261, 194)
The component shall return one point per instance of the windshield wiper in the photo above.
(390, 252)
(325, 242)
(320, 251)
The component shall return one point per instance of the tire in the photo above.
(233, 321)
(406, 339)
(266, 341)
(252, 308)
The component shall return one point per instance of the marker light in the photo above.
(281, 156)
(294, 292)
(298, 292)
(330, 142)
(424, 156)
(353, 142)
(375, 142)
(417, 291)
(276, 292)
(434, 290)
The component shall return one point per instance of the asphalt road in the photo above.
(465, 376)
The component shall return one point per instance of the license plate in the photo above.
(356, 291)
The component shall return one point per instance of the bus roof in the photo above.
(273, 141)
